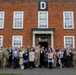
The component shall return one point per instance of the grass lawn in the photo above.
(8, 74)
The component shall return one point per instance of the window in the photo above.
(1, 20)
(69, 41)
(17, 41)
(1, 41)
(68, 20)
(18, 20)
(42, 19)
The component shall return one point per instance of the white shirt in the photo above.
(31, 56)
(50, 57)
(60, 54)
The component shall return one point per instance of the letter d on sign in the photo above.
(42, 5)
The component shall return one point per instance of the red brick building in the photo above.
(34, 22)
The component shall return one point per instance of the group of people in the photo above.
(34, 57)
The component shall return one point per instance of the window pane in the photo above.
(1, 41)
(68, 20)
(18, 20)
(43, 19)
(17, 41)
(69, 41)
(1, 19)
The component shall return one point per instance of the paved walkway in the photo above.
(41, 71)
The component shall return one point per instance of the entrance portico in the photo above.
(49, 31)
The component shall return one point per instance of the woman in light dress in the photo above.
(50, 58)
(31, 58)
(21, 58)
(54, 58)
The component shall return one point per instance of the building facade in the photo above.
(34, 22)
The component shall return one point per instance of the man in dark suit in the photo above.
(42, 57)
(10, 57)
(15, 55)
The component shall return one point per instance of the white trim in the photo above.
(3, 19)
(64, 19)
(73, 41)
(1, 40)
(17, 36)
(39, 20)
(43, 32)
(14, 20)
(52, 41)
(33, 40)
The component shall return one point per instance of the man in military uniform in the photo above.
(5, 56)
(1, 56)
(74, 58)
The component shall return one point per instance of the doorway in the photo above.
(43, 41)
(45, 44)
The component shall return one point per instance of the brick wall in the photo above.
(30, 9)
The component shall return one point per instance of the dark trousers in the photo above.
(25, 65)
(31, 64)
(62, 61)
(68, 61)
(15, 62)
(45, 64)
(41, 63)
(50, 65)
(57, 62)
(10, 62)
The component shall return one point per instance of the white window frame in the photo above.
(3, 19)
(17, 36)
(73, 41)
(1, 40)
(39, 20)
(14, 20)
(64, 19)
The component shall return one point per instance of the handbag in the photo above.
(50, 58)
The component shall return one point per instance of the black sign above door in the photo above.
(43, 5)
